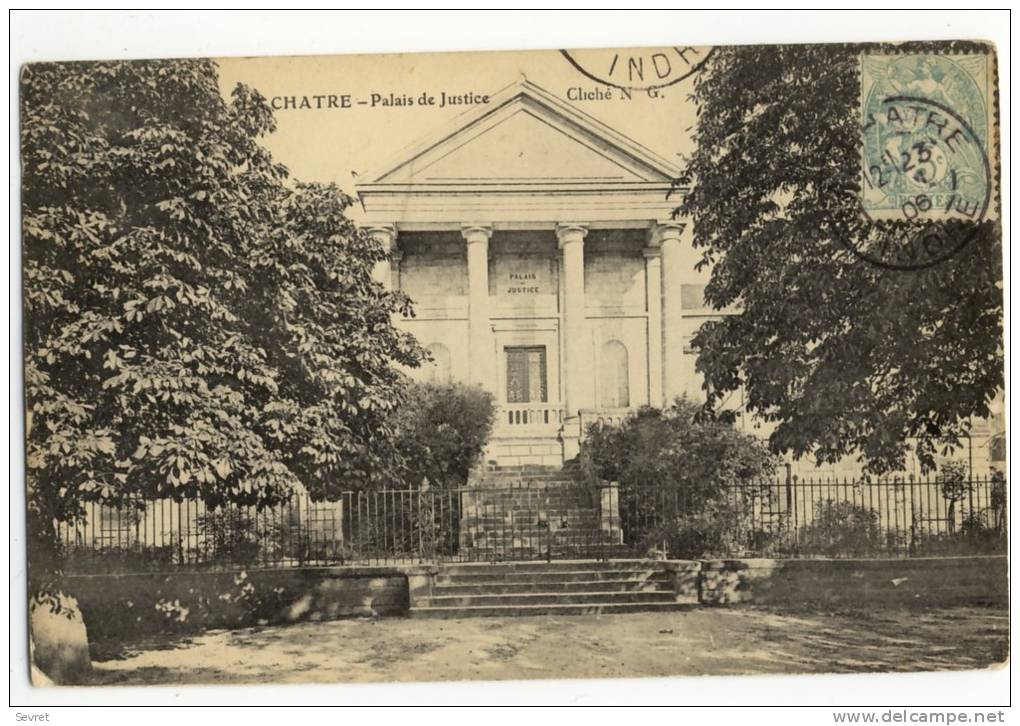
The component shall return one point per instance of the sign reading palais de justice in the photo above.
(519, 278)
(523, 283)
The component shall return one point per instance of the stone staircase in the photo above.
(566, 587)
(537, 512)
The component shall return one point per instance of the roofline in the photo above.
(502, 98)
(510, 187)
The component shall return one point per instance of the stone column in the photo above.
(653, 301)
(667, 236)
(385, 235)
(479, 326)
(577, 364)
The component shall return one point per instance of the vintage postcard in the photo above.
(516, 365)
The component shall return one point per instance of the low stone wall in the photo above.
(686, 576)
(925, 582)
(118, 605)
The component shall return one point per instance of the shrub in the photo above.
(440, 433)
(841, 529)
(421, 524)
(980, 532)
(954, 483)
(997, 500)
(235, 537)
(687, 480)
(718, 529)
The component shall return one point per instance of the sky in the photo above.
(328, 144)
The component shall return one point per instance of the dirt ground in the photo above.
(693, 642)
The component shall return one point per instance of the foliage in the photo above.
(841, 529)
(439, 433)
(686, 480)
(196, 324)
(997, 500)
(232, 536)
(954, 484)
(719, 528)
(980, 532)
(840, 355)
(675, 448)
(953, 480)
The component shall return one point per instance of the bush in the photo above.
(235, 537)
(687, 480)
(954, 483)
(980, 533)
(841, 529)
(440, 433)
(719, 529)
(997, 499)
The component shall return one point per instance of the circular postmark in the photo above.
(927, 181)
(641, 69)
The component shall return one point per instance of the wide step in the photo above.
(511, 578)
(550, 598)
(490, 611)
(506, 568)
(553, 585)
(568, 587)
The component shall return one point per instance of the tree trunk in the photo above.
(58, 639)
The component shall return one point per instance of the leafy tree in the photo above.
(841, 529)
(842, 356)
(440, 433)
(685, 479)
(676, 447)
(196, 325)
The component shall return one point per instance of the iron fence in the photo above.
(531, 520)
(819, 518)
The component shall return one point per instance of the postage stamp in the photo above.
(927, 125)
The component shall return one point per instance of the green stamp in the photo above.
(927, 130)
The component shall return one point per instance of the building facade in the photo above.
(540, 250)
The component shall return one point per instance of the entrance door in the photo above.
(526, 375)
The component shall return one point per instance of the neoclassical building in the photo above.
(539, 248)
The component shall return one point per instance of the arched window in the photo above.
(438, 371)
(614, 376)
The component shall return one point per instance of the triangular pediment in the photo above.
(525, 135)
(522, 147)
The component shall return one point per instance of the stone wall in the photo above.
(118, 605)
(926, 582)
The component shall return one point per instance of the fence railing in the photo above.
(548, 520)
(820, 518)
